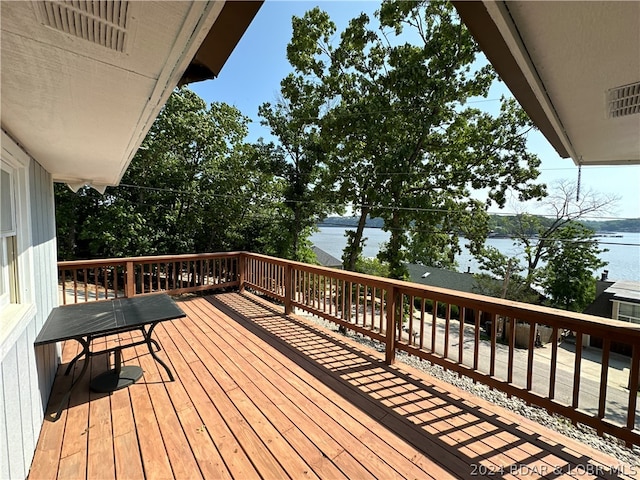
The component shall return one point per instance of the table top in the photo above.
(106, 317)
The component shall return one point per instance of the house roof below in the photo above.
(625, 290)
(326, 259)
(440, 277)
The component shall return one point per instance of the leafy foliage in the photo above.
(566, 245)
(400, 143)
(504, 277)
(537, 236)
(568, 278)
(372, 266)
(376, 121)
(297, 161)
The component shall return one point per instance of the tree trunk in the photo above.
(396, 268)
(355, 248)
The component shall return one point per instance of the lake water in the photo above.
(623, 255)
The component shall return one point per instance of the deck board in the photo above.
(252, 389)
(323, 412)
(259, 395)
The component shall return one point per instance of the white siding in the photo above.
(27, 373)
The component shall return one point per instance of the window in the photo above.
(17, 301)
(629, 312)
(9, 291)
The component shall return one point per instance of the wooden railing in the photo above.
(104, 279)
(492, 341)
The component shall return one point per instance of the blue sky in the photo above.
(253, 73)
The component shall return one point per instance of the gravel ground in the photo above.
(607, 444)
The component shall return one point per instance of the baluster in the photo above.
(64, 287)
(349, 292)
(512, 346)
(447, 322)
(423, 306)
(324, 293)
(364, 304)
(532, 334)
(576, 373)
(412, 300)
(374, 324)
(399, 318)
(463, 314)
(554, 363)
(95, 282)
(604, 378)
(476, 339)
(113, 274)
(494, 334)
(634, 379)
(85, 276)
(434, 318)
(105, 283)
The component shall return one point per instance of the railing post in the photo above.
(241, 272)
(390, 344)
(287, 289)
(130, 291)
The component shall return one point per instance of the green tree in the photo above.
(403, 146)
(297, 160)
(503, 277)
(558, 239)
(537, 236)
(372, 266)
(568, 277)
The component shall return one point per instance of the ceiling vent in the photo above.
(624, 100)
(101, 22)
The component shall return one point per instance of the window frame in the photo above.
(8, 293)
(628, 318)
(15, 317)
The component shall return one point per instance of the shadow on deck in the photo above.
(260, 395)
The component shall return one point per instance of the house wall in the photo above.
(27, 373)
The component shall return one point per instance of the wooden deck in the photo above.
(259, 395)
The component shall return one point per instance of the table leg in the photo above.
(117, 361)
(85, 351)
(73, 362)
(118, 377)
(156, 344)
(147, 337)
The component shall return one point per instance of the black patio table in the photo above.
(85, 322)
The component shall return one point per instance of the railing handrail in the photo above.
(145, 259)
(508, 308)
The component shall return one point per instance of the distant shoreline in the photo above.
(602, 228)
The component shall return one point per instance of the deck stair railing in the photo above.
(520, 349)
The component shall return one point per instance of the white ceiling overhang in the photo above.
(82, 81)
(564, 62)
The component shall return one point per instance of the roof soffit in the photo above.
(560, 59)
(81, 109)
